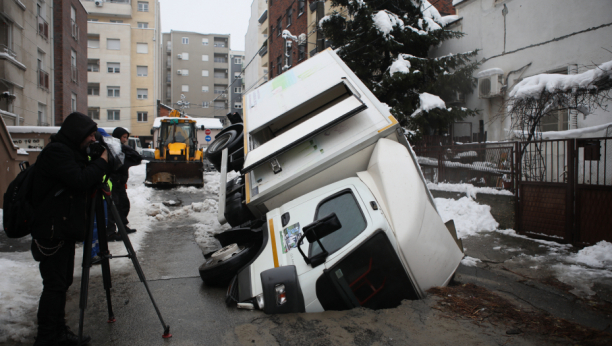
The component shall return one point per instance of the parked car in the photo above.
(148, 154)
(134, 143)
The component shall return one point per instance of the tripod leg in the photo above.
(104, 255)
(132, 256)
(86, 266)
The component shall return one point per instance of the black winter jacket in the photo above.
(63, 180)
(132, 158)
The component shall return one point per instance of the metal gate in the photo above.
(565, 190)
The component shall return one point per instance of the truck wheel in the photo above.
(231, 137)
(223, 264)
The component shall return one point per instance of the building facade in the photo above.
(26, 62)
(197, 66)
(70, 59)
(237, 81)
(124, 64)
(283, 54)
(518, 39)
(256, 46)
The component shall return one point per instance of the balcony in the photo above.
(74, 74)
(43, 80)
(12, 70)
(113, 8)
(43, 28)
(263, 51)
(168, 64)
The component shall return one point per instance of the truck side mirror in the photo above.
(315, 231)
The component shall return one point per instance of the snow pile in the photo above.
(470, 261)
(597, 256)
(287, 35)
(470, 217)
(579, 277)
(399, 65)
(535, 85)
(427, 103)
(162, 213)
(384, 21)
(469, 189)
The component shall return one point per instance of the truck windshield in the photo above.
(351, 218)
(177, 133)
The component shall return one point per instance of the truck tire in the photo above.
(228, 260)
(232, 138)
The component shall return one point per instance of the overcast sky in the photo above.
(208, 17)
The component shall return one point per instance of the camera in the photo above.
(113, 149)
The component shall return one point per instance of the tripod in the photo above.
(97, 211)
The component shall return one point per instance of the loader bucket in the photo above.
(170, 174)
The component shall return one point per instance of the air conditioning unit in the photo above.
(178, 72)
(99, 3)
(490, 83)
(302, 39)
(180, 57)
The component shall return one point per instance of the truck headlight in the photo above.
(260, 301)
(281, 297)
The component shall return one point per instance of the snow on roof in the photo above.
(489, 72)
(209, 123)
(399, 65)
(428, 102)
(46, 129)
(535, 85)
(578, 133)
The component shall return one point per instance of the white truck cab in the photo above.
(331, 210)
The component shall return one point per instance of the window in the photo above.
(93, 41)
(112, 91)
(204, 57)
(204, 73)
(238, 105)
(142, 117)
(184, 72)
(116, 21)
(73, 102)
(142, 25)
(185, 40)
(184, 56)
(94, 113)
(238, 90)
(301, 52)
(219, 43)
(74, 72)
(73, 58)
(42, 114)
(205, 41)
(185, 88)
(205, 104)
(142, 71)
(41, 61)
(113, 114)
(279, 25)
(236, 75)
(301, 6)
(289, 13)
(204, 88)
(351, 218)
(113, 67)
(93, 89)
(237, 60)
(289, 57)
(219, 104)
(220, 74)
(220, 89)
(92, 19)
(93, 65)
(555, 120)
(271, 69)
(142, 94)
(142, 48)
(221, 58)
(143, 6)
(73, 24)
(279, 65)
(113, 44)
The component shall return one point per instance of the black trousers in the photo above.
(122, 202)
(56, 268)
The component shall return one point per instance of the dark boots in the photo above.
(65, 337)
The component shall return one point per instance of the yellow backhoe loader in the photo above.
(178, 161)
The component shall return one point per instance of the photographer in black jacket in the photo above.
(64, 179)
(119, 180)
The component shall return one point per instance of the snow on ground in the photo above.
(470, 261)
(470, 217)
(20, 282)
(469, 189)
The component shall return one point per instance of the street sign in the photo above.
(208, 138)
(207, 131)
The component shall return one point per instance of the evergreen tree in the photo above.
(386, 43)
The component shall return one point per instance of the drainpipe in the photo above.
(52, 68)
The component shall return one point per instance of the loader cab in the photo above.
(179, 133)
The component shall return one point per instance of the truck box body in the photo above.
(310, 118)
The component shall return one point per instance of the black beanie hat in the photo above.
(76, 127)
(120, 131)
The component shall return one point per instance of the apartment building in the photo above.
(26, 61)
(124, 64)
(237, 83)
(69, 59)
(198, 66)
(256, 46)
(283, 54)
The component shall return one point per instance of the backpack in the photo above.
(18, 214)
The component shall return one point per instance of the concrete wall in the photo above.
(569, 37)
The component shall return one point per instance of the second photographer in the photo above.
(119, 180)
